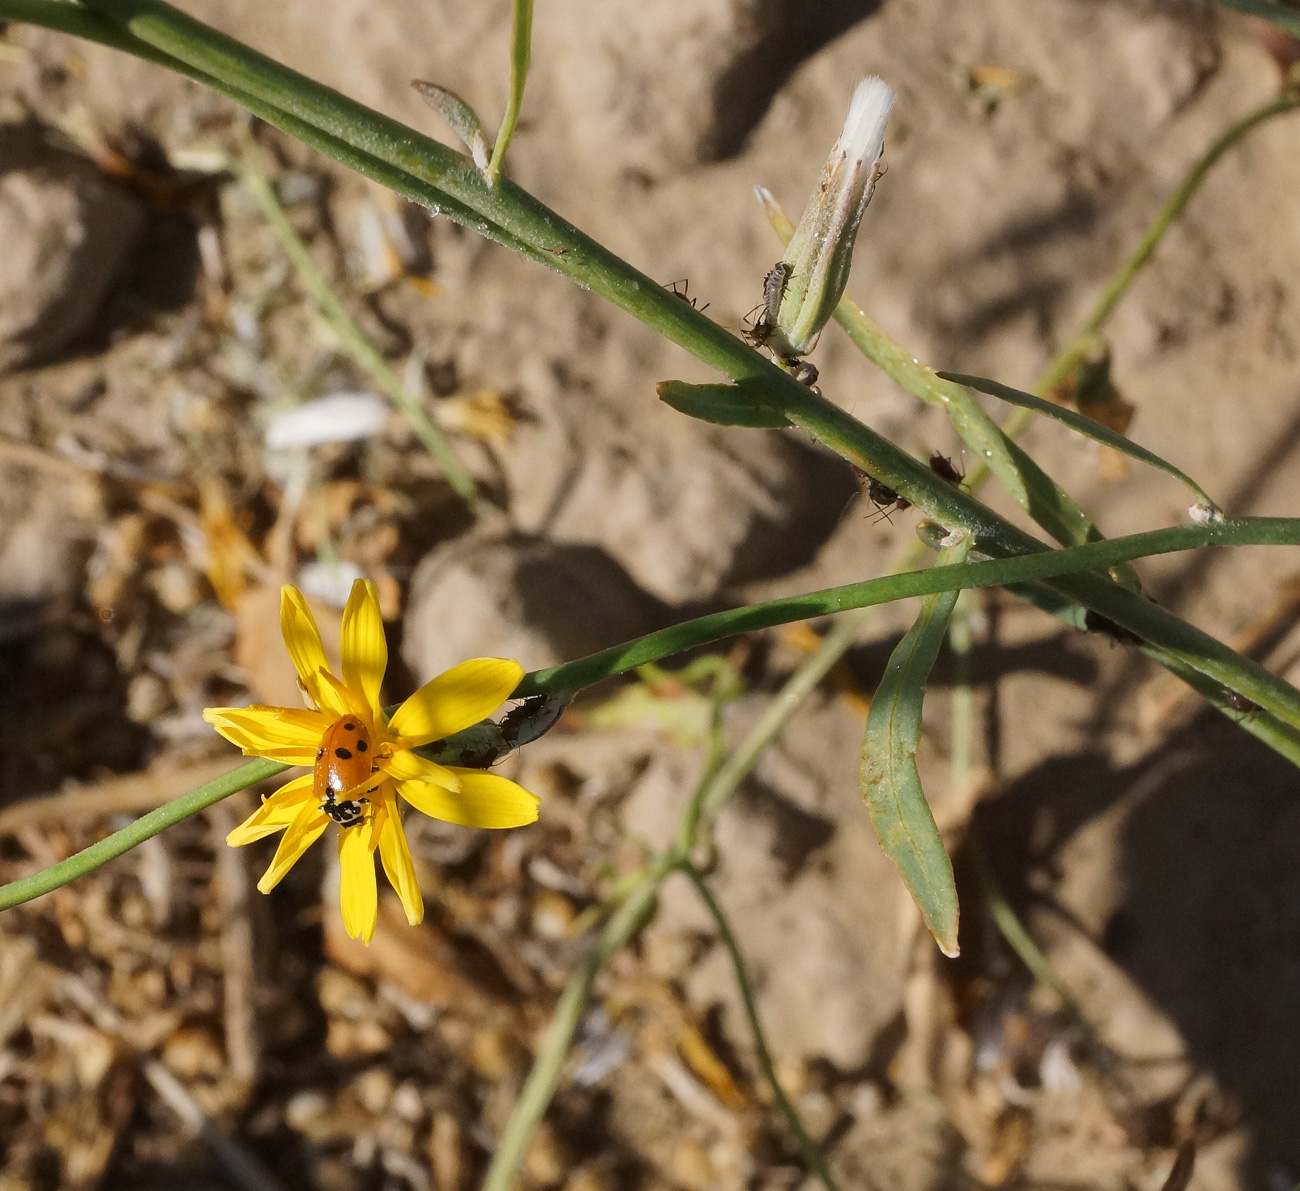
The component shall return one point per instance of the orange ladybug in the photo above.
(344, 761)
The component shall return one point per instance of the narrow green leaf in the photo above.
(462, 119)
(888, 777)
(740, 404)
(1083, 425)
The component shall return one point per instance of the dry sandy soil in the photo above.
(150, 327)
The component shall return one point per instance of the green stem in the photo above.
(520, 54)
(960, 643)
(1018, 938)
(1070, 356)
(1030, 487)
(783, 705)
(544, 1078)
(1274, 728)
(145, 827)
(351, 336)
(517, 219)
(813, 1158)
(709, 796)
(1046, 564)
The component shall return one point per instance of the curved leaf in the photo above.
(888, 778)
(1081, 423)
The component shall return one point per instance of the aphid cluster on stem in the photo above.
(759, 332)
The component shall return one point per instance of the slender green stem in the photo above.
(1073, 352)
(960, 643)
(783, 705)
(145, 827)
(520, 55)
(1046, 564)
(1070, 356)
(544, 1078)
(1017, 937)
(351, 336)
(1031, 488)
(1276, 730)
(511, 215)
(709, 796)
(813, 1158)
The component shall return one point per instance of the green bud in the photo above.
(802, 291)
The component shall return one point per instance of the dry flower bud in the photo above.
(815, 269)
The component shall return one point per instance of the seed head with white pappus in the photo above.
(817, 259)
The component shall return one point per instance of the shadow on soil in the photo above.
(797, 30)
(1206, 918)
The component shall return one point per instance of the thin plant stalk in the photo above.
(521, 38)
(145, 827)
(351, 336)
(1017, 937)
(544, 1077)
(811, 1153)
(361, 137)
(1070, 356)
(573, 676)
(712, 791)
(960, 644)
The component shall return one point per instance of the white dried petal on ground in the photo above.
(339, 417)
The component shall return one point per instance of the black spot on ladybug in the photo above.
(362, 746)
(349, 727)
(319, 754)
(343, 754)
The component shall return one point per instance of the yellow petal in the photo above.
(405, 766)
(304, 831)
(351, 701)
(275, 813)
(302, 638)
(259, 729)
(395, 854)
(484, 800)
(364, 647)
(456, 699)
(358, 894)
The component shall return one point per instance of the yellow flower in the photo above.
(362, 760)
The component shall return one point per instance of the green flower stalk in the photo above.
(802, 291)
